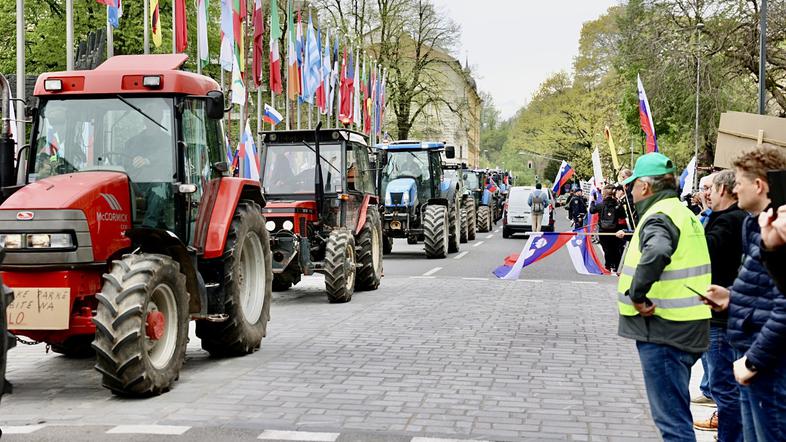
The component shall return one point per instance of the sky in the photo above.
(513, 45)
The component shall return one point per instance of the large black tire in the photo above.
(340, 266)
(76, 347)
(454, 239)
(387, 245)
(6, 297)
(435, 228)
(281, 284)
(248, 287)
(131, 362)
(369, 257)
(472, 218)
(484, 220)
(464, 225)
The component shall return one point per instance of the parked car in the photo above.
(518, 213)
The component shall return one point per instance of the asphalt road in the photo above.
(443, 351)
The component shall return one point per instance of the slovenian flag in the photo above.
(645, 115)
(563, 176)
(271, 115)
(687, 177)
(538, 246)
(582, 254)
(491, 186)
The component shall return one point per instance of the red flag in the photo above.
(107, 2)
(181, 27)
(345, 111)
(259, 50)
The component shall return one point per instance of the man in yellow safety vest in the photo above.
(666, 258)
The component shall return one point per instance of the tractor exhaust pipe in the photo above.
(7, 144)
(318, 181)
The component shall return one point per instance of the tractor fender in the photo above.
(161, 241)
(368, 200)
(228, 193)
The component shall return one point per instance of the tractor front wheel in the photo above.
(248, 287)
(6, 297)
(484, 219)
(141, 325)
(340, 266)
(454, 240)
(369, 246)
(472, 218)
(464, 225)
(435, 228)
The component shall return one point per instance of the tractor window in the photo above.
(409, 164)
(365, 179)
(471, 181)
(291, 168)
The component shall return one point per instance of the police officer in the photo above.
(667, 254)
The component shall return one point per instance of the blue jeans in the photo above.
(725, 389)
(763, 405)
(704, 386)
(667, 377)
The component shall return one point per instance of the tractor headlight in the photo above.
(49, 241)
(11, 240)
(288, 225)
(270, 226)
(61, 241)
(388, 199)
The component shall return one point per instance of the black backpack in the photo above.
(608, 216)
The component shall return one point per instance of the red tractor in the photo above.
(323, 210)
(124, 224)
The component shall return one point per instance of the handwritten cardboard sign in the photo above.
(44, 308)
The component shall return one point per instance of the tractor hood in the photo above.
(401, 192)
(72, 191)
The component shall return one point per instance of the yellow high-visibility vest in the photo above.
(690, 266)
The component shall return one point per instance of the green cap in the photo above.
(652, 164)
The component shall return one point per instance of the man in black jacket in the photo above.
(724, 241)
(610, 212)
(577, 207)
(773, 240)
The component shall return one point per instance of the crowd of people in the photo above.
(707, 287)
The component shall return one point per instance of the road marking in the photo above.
(432, 271)
(461, 255)
(475, 279)
(434, 439)
(477, 244)
(172, 430)
(584, 282)
(21, 429)
(298, 435)
(530, 280)
(422, 277)
(489, 236)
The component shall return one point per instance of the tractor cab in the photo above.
(322, 212)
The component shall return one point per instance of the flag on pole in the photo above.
(247, 149)
(114, 11)
(227, 54)
(326, 69)
(272, 116)
(357, 81)
(311, 64)
(181, 26)
(645, 115)
(334, 74)
(293, 76)
(300, 49)
(320, 90)
(614, 161)
(238, 46)
(258, 50)
(563, 176)
(155, 23)
(597, 168)
(687, 177)
(276, 84)
(204, 52)
(538, 246)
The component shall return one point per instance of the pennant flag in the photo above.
(345, 108)
(155, 23)
(582, 254)
(645, 115)
(227, 54)
(614, 161)
(538, 246)
(204, 54)
(248, 150)
(276, 84)
(688, 177)
(115, 11)
(271, 115)
(293, 76)
(563, 176)
(258, 47)
(311, 64)
(181, 26)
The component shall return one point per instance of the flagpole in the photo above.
(199, 41)
(20, 71)
(146, 26)
(174, 29)
(110, 41)
(289, 86)
(69, 35)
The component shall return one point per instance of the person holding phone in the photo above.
(757, 309)
(669, 324)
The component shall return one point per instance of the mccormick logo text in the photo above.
(112, 217)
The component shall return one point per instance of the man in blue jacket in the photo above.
(757, 309)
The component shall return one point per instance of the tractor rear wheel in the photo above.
(6, 297)
(464, 225)
(484, 221)
(248, 287)
(141, 325)
(435, 228)
(472, 218)
(387, 245)
(369, 247)
(455, 230)
(340, 266)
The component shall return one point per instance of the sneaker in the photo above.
(703, 401)
(710, 424)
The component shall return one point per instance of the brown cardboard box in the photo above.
(740, 131)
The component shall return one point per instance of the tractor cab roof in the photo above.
(309, 135)
(128, 74)
(410, 145)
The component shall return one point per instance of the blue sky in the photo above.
(515, 44)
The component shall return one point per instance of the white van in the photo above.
(518, 213)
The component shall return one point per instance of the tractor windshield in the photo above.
(409, 164)
(291, 168)
(471, 181)
(131, 135)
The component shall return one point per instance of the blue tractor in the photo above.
(420, 203)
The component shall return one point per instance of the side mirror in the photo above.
(450, 152)
(215, 105)
(221, 167)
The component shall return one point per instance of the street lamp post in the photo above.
(699, 28)
(762, 54)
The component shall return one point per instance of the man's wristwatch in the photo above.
(750, 365)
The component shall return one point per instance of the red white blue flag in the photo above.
(538, 246)
(563, 176)
(582, 254)
(645, 115)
